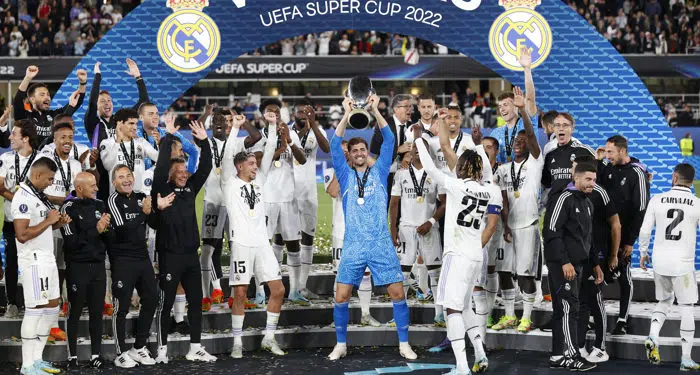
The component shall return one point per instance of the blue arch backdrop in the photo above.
(583, 74)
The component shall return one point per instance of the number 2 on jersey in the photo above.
(671, 214)
(465, 217)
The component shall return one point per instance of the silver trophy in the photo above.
(359, 90)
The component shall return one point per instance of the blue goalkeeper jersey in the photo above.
(368, 221)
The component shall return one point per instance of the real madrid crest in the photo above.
(188, 40)
(520, 26)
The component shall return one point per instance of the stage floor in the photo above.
(368, 361)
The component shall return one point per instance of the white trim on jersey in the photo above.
(603, 194)
(66, 227)
(557, 211)
(642, 188)
(114, 207)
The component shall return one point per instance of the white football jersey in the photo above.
(213, 192)
(26, 205)
(468, 204)
(676, 214)
(305, 174)
(415, 213)
(247, 225)
(11, 172)
(338, 226)
(70, 168)
(279, 186)
(465, 143)
(112, 155)
(78, 149)
(148, 180)
(523, 210)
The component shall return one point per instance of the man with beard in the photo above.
(283, 216)
(311, 138)
(40, 112)
(61, 187)
(14, 169)
(426, 108)
(99, 120)
(519, 182)
(98, 117)
(625, 179)
(214, 217)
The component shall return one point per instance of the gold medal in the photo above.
(517, 194)
(251, 213)
(419, 199)
(278, 163)
(218, 171)
(509, 159)
(16, 188)
(296, 162)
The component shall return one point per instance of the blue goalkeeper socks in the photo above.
(341, 316)
(401, 317)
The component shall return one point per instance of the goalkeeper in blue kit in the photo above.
(367, 241)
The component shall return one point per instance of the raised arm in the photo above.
(162, 171)
(140, 84)
(269, 151)
(320, 135)
(191, 150)
(520, 102)
(428, 163)
(525, 61)
(205, 164)
(228, 170)
(91, 119)
(254, 135)
(444, 134)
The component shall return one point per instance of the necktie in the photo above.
(402, 134)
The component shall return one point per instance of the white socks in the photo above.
(46, 322)
(365, 294)
(179, 307)
(528, 302)
(455, 332)
(475, 336)
(216, 284)
(406, 277)
(481, 307)
(279, 252)
(294, 269)
(687, 330)
(30, 323)
(421, 272)
(491, 291)
(434, 275)
(259, 288)
(509, 301)
(307, 258)
(271, 324)
(658, 317)
(237, 329)
(205, 262)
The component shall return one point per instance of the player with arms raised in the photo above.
(251, 253)
(676, 214)
(466, 234)
(367, 241)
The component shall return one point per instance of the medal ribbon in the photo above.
(513, 177)
(20, 177)
(130, 159)
(65, 178)
(361, 183)
(419, 189)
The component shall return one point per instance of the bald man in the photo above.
(84, 245)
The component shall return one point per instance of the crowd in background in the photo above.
(57, 27)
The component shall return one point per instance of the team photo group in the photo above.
(455, 216)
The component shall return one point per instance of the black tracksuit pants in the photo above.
(565, 303)
(11, 268)
(591, 302)
(174, 269)
(127, 275)
(86, 282)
